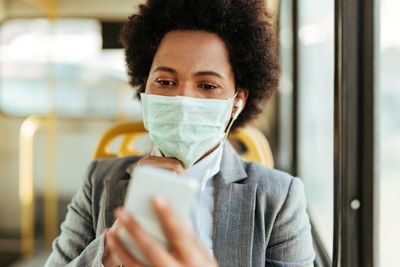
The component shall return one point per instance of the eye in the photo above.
(165, 83)
(208, 86)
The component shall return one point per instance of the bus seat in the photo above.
(250, 143)
(128, 131)
(255, 145)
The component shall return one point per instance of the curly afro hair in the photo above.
(244, 25)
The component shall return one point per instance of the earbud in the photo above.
(239, 106)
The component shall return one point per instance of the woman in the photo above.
(202, 67)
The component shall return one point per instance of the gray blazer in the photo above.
(260, 215)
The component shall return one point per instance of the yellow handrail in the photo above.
(128, 130)
(28, 130)
(48, 6)
(26, 192)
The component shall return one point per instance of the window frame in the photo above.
(322, 256)
(355, 228)
(355, 191)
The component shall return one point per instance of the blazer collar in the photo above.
(232, 169)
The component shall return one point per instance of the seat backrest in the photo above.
(254, 144)
(250, 143)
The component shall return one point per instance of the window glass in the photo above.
(48, 67)
(285, 144)
(388, 138)
(316, 111)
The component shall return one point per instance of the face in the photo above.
(194, 64)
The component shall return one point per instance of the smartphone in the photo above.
(147, 182)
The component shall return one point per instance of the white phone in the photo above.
(147, 182)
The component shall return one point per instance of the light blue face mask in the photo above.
(186, 127)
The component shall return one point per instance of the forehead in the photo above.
(192, 50)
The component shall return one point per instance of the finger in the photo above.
(179, 234)
(119, 250)
(155, 253)
(107, 259)
(166, 163)
(171, 164)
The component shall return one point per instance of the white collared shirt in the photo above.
(203, 204)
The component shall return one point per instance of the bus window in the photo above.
(44, 63)
(388, 138)
(285, 157)
(315, 112)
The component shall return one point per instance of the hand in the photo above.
(185, 249)
(168, 163)
(108, 259)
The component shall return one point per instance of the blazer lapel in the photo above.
(115, 196)
(115, 191)
(234, 213)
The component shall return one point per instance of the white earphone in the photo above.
(239, 106)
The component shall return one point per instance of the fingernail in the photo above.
(117, 212)
(123, 215)
(116, 259)
(160, 201)
(109, 236)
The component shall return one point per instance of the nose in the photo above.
(187, 88)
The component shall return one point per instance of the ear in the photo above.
(240, 102)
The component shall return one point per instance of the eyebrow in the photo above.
(199, 73)
(167, 69)
(207, 73)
